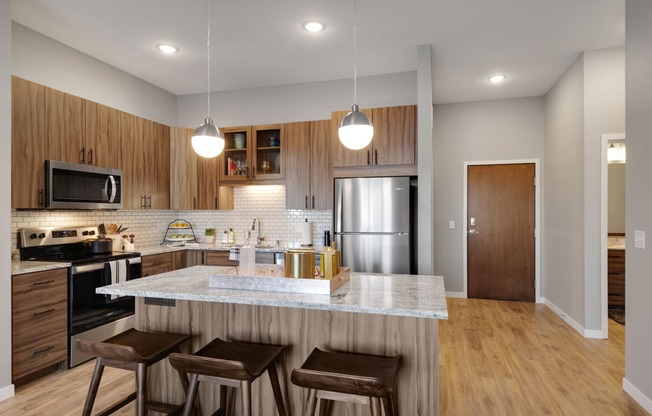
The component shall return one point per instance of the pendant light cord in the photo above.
(355, 56)
(208, 59)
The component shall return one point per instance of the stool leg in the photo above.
(191, 394)
(245, 391)
(141, 389)
(276, 388)
(374, 404)
(311, 403)
(223, 393)
(94, 386)
(388, 405)
(324, 406)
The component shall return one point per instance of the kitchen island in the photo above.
(372, 313)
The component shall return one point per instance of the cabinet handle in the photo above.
(194, 202)
(376, 156)
(368, 158)
(203, 258)
(247, 169)
(215, 202)
(142, 202)
(43, 282)
(306, 201)
(41, 198)
(46, 349)
(34, 315)
(313, 202)
(82, 154)
(149, 201)
(90, 157)
(253, 172)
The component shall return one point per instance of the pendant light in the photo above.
(355, 130)
(207, 141)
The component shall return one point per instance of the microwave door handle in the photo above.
(113, 187)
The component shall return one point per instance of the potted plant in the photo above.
(209, 235)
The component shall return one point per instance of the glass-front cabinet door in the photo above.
(252, 154)
(235, 158)
(267, 153)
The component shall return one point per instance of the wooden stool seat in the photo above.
(348, 377)
(136, 351)
(231, 365)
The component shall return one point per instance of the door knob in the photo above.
(473, 231)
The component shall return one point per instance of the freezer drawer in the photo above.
(375, 253)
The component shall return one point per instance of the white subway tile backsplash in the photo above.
(267, 203)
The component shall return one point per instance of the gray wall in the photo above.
(616, 200)
(480, 131)
(563, 208)
(300, 102)
(45, 61)
(6, 388)
(638, 345)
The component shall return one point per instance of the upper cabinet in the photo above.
(64, 120)
(27, 144)
(393, 145)
(252, 154)
(194, 182)
(308, 167)
(103, 130)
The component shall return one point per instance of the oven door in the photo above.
(94, 316)
(77, 186)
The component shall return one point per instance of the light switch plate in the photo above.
(451, 224)
(639, 239)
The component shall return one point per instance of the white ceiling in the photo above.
(258, 43)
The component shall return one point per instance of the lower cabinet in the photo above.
(616, 280)
(40, 325)
(157, 264)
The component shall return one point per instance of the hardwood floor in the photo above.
(496, 358)
(514, 358)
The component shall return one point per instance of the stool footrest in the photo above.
(119, 405)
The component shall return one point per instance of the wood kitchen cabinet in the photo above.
(103, 131)
(616, 277)
(145, 163)
(393, 145)
(258, 158)
(27, 144)
(157, 263)
(40, 321)
(194, 182)
(308, 167)
(65, 125)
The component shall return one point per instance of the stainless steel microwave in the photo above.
(76, 186)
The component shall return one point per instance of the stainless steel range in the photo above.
(90, 315)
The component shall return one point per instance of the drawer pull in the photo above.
(34, 315)
(44, 282)
(44, 350)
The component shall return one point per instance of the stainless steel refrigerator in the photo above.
(374, 223)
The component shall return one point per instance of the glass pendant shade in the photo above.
(207, 141)
(355, 130)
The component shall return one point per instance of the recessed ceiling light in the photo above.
(497, 79)
(314, 26)
(167, 49)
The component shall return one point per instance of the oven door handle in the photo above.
(85, 268)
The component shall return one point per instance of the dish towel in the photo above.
(234, 254)
(118, 271)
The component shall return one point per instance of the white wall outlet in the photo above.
(451, 225)
(639, 239)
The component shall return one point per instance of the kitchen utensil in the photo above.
(102, 229)
(98, 245)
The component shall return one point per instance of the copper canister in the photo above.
(300, 263)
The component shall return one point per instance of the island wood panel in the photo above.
(414, 339)
(183, 170)
(159, 179)
(64, 120)
(321, 179)
(394, 140)
(102, 135)
(342, 156)
(297, 165)
(27, 143)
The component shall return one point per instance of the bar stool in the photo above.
(136, 351)
(231, 365)
(357, 378)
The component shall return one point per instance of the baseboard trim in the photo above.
(455, 295)
(637, 395)
(586, 333)
(7, 392)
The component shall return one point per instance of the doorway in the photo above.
(501, 222)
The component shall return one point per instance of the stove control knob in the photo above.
(84, 232)
(91, 232)
(33, 236)
(42, 235)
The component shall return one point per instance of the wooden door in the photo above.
(266, 154)
(183, 170)
(342, 156)
(321, 177)
(500, 238)
(159, 179)
(394, 135)
(27, 144)
(102, 135)
(134, 162)
(64, 120)
(207, 183)
(297, 190)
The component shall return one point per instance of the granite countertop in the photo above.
(22, 267)
(381, 294)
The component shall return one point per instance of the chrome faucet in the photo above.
(256, 227)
